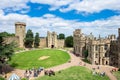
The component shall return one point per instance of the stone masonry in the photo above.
(98, 48)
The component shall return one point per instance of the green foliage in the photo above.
(37, 40)
(74, 73)
(86, 60)
(61, 36)
(29, 39)
(30, 59)
(5, 34)
(86, 53)
(6, 51)
(69, 41)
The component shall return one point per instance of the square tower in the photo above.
(20, 29)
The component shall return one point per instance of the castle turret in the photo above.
(20, 29)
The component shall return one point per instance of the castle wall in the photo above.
(98, 49)
(43, 42)
(8, 40)
(99, 52)
(60, 43)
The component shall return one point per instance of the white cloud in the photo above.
(87, 6)
(91, 6)
(14, 5)
(54, 23)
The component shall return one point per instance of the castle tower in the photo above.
(52, 39)
(118, 47)
(20, 29)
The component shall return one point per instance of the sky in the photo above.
(62, 16)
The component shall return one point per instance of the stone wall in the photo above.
(43, 42)
(98, 48)
(99, 51)
(60, 43)
(8, 40)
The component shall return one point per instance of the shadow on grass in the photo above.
(14, 65)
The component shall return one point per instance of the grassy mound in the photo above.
(30, 59)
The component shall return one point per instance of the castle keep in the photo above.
(20, 29)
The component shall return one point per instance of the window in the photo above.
(96, 48)
(106, 46)
(96, 56)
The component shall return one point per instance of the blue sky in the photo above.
(62, 16)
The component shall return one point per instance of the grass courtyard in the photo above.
(36, 58)
(74, 73)
(117, 74)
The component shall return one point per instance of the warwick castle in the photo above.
(101, 51)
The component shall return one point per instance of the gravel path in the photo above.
(75, 61)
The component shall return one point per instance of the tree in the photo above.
(86, 53)
(61, 36)
(29, 39)
(69, 41)
(5, 34)
(6, 51)
(37, 40)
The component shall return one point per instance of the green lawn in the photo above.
(74, 73)
(30, 59)
(117, 74)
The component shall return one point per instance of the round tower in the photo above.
(20, 29)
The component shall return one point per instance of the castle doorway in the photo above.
(106, 62)
(52, 46)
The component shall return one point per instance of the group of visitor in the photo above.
(33, 72)
(97, 71)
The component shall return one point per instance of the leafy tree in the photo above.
(86, 53)
(29, 39)
(37, 40)
(69, 41)
(5, 34)
(6, 51)
(61, 36)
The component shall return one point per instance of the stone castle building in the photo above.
(100, 50)
(115, 51)
(50, 41)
